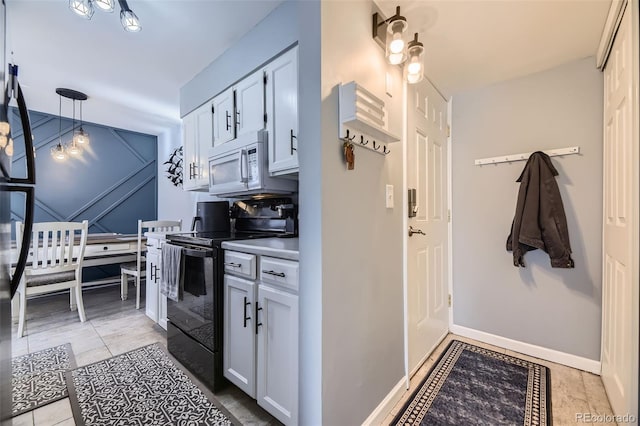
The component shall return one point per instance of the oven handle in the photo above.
(197, 252)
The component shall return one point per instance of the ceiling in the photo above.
(133, 79)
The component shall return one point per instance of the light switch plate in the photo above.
(389, 196)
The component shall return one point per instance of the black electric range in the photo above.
(195, 326)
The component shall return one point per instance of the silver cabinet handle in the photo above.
(277, 274)
(413, 230)
(233, 265)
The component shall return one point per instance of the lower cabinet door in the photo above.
(278, 353)
(239, 345)
(152, 284)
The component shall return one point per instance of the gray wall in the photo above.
(271, 36)
(362, 313)
(554, 308)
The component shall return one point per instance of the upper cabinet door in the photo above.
(204, 130)
(250, 104)
(190, 148)
(282, 113)
(224, 117)
(197, 127)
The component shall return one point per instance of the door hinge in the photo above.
(448, 131)
(265, 79)
(213, 109)
(448, 215)
(265, 118)
(449, 300)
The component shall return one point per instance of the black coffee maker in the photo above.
(211, 216)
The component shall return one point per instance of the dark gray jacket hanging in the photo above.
(540, 221)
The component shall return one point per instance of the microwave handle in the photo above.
(244, 165)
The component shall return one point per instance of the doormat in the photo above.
(39, 378)
(143, 387)
(473, 385)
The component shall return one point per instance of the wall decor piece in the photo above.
(174, 171)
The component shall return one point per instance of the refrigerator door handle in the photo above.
(26, 238)
(26, 127)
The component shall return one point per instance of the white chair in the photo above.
(54, 263)
(137, 269)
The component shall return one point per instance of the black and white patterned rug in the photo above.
(140, 387)
(471, 385)
(39, 378)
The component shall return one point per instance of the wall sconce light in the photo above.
(61, 152)
(414, 68)
(85, 8)
(389, 33)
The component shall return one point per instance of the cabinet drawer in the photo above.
(280, 272)
(240, 264)
(106, 248)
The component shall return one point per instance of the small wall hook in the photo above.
(376, 147)
(384, 150)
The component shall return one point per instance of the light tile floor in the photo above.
(572, 391)
(112, 327)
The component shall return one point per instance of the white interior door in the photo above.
(619, 340)
(427, 255)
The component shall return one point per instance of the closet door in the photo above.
(620, 253)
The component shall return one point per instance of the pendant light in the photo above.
(57, 152)
(128, 19)
(414, 67)
(80, 137)
(73, 149)
(83, 8)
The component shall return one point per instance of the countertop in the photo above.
(283, 248)
(160, 235)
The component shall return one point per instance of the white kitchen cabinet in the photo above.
(282, 113)
(249, 94)
(224, 118)
(155, 303)
(197, 139)
(277, 353)
(239, 353)
(260, 346)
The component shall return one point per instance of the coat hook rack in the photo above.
(363, 143)
(525, 156)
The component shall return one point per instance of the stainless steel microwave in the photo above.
(241, 167)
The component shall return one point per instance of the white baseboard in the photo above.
(552, 355)
(384, 408)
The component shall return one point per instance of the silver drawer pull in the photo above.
(233, 265)
(277, 274)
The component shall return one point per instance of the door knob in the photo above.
(413, 230)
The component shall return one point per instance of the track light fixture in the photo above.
(389, 33)
(85, 8)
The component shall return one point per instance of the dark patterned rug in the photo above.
(469, 385)
(38, 378)
(141, 387)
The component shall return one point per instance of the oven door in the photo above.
(228, 172)
(195, 312)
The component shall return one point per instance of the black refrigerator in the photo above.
(10, 275)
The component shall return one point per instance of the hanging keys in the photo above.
(349, 156)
